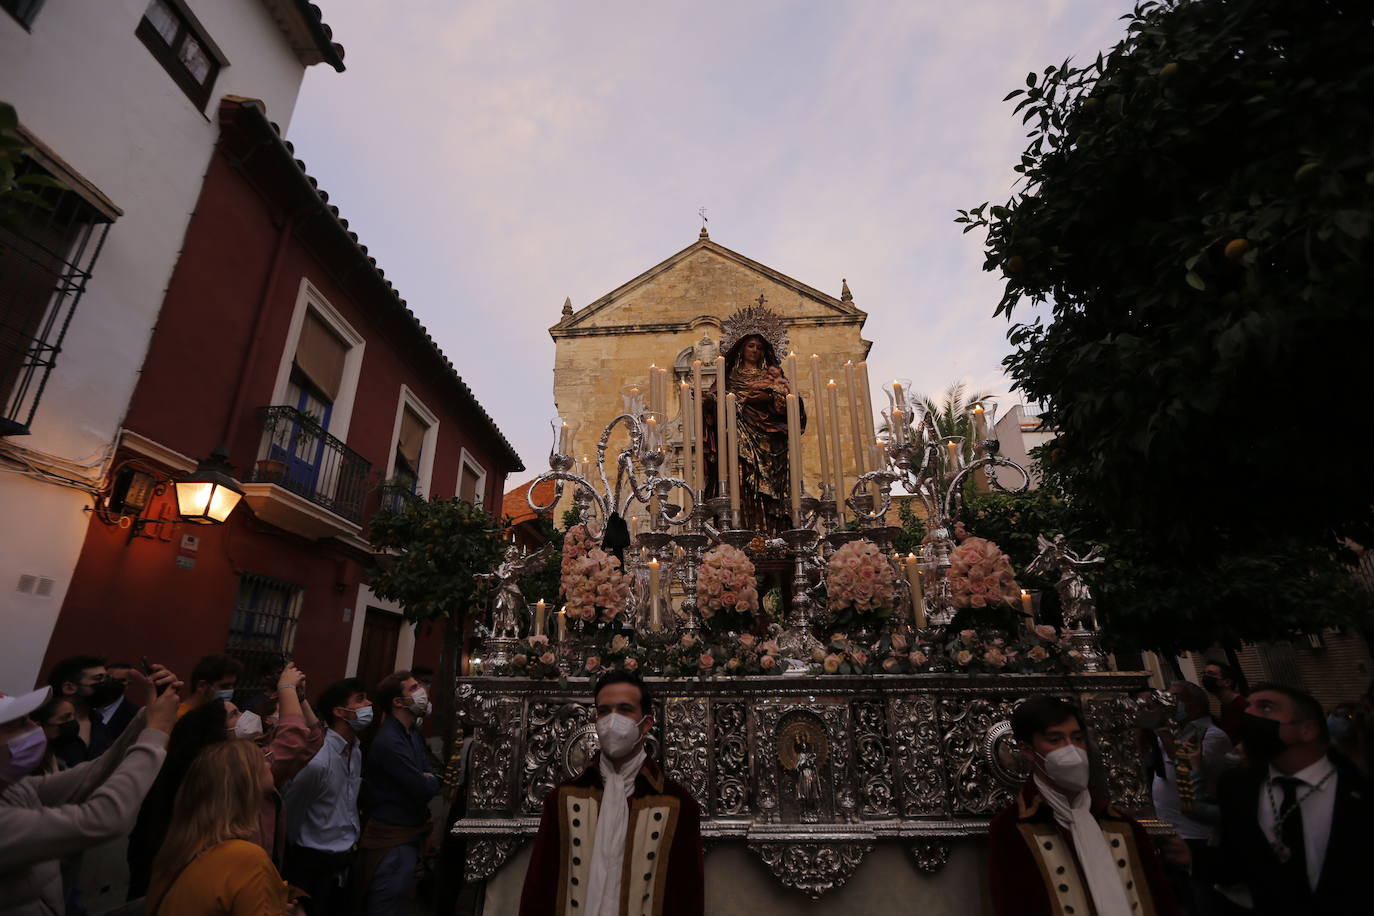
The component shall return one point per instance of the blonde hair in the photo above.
(218, 800)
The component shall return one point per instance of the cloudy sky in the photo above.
(497, 156)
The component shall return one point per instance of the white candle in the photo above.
(699, 453)
(684, 415)
(790, 369)
(832, 423)
(980, 429)
(855, 402)
(898, 395)
(918, 600)
(584, 465)
(870, 432)
(732, 447)
(655, 609)
(1026, 606)
(952, 448)
(794, 457)
(538, 618)
(564, 446)
(722, 460)
(818, 408)
(563, 624)
(653, 388)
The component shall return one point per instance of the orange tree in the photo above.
(1189, 263)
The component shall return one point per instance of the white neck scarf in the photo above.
(1095, 857)
(612, 824)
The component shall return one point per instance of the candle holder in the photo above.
(797, 642)
(738, 537)
(1088, 643)
(497, 653)
(693, 544)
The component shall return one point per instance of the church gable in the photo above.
(705, 280)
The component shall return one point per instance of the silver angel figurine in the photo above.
(510, 601)
(1080, 608)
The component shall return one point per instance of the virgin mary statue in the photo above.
(751, 340)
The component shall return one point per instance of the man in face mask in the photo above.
(322, 801)
(1222, 682)
(213, 678)
(1295, 824)
(1056, 848)
(398, 782)
(109, 719)
(83, 680)
(620, 803)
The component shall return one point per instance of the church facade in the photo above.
(672, 314)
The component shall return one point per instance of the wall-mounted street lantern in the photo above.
(208, 494)
(205, 496)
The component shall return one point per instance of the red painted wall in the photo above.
(128, 598)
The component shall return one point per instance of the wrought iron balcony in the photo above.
(397, 495)
(305, 459)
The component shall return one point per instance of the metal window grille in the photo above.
(48, 249)
(262, 632)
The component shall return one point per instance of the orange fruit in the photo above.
(1236, 248)
(1015, 263)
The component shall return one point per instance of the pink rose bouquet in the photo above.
(980, 575)
(725, 585)
(593, 581)
(860, 582)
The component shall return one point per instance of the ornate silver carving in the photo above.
(920, 764)
(553, 730)
(1111, 725)
(930, 855)
(486, 854)
(1004, 760)
(686, 757)
(732, 759)
(871, 758)
(966, 723)
(812, 868)
(494, 756)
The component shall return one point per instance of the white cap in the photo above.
(20, 705)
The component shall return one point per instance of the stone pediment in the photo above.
(702, 284)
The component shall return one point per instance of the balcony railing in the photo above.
(303, 458)
(396, 496)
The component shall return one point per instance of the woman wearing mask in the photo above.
(58, 718)
(209, 864)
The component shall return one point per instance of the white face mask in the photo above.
(249, 725)
(419, 702)
(1067, 768)
(618, 735)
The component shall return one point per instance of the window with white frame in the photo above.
(414, 440)
(472, 480)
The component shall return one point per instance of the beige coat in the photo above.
(44, 819)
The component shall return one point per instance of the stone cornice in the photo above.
(673, 327)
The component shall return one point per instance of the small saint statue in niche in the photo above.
(808, 779)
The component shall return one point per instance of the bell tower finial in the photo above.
(567, 307)
(845, 294)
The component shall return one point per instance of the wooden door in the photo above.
(377, 655)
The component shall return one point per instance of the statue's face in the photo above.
(752, 352)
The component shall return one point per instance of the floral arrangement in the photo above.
(980, 575)
(593, 581)
(860, 582)
(694, 657)
(725, 583)
(840, 656)
(537, 659)
(620, 654)
(896, 654)
(1038, 650)
(773, 604)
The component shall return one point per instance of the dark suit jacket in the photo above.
(107, 733)
(1247, 858)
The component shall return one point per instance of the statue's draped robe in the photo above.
(765, 502)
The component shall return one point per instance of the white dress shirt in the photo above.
(322, 799)
(1315, 807)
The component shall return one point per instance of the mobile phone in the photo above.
(147, 669)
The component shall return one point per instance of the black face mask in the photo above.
(68, 730)
(105, 693)
(1261, 737)
(1211, 684)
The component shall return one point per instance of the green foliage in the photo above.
(441, 546)
(20, 189)
(1192, 242)
(908, 540)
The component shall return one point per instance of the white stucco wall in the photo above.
(84, 84)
